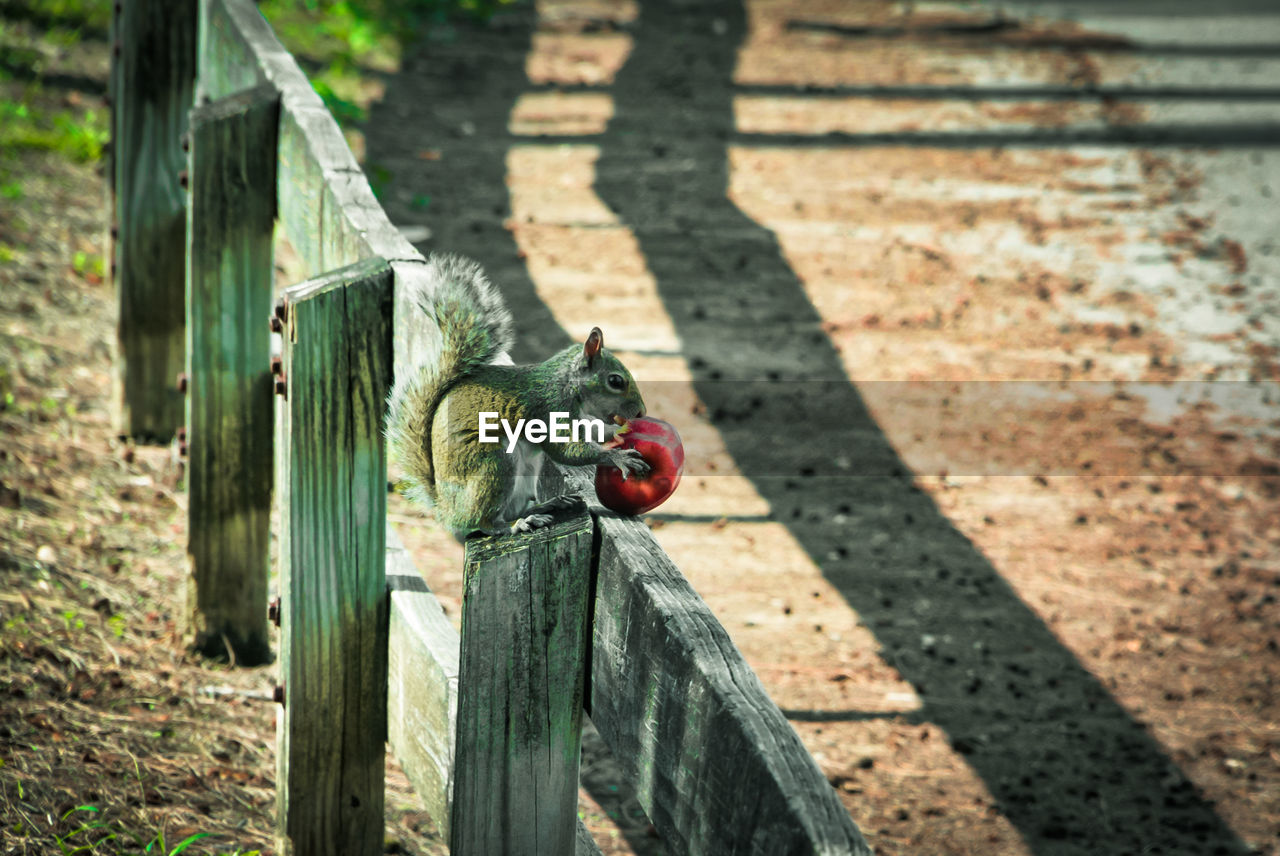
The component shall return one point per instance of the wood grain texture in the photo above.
(525, 632)
(152, 83)
(422, 684)
(717, 767)
(331, 736)
(228, 62)
(422, 690)
(229, 410)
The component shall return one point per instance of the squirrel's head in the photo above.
(606, 389)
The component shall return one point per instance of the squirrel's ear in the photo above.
(594, 343)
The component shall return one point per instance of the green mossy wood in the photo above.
(152, 79)
(525, 632)
(332, 494)
(229, 412)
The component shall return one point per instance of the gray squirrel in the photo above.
(435, 410)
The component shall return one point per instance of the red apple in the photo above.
(659, 444)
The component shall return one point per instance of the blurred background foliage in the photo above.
(339, 42)
(54, 55)
(38, 37)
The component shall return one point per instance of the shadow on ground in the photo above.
(1071, 770)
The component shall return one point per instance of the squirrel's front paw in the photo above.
(530, 522)
(564, 502)
(629, 461)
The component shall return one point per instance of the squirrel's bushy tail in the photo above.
(474, 329)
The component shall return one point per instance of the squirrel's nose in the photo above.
(640, 412)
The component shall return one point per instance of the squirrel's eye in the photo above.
(616, 381)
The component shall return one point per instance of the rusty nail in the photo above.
(182, 434)
(277, 365)
(277, 694)
(282, 310)
(182, 179)
(276, 325)
(273, 611)
(115, 231)
(115, 48)
(186, 142)
(182, 448)
(106, 99)
(183, 382)
(282, 386)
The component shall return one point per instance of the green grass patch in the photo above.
(93, 836)
(87, 265)
(79, 135)
(93, 15)
(345, 110)
(37, 32)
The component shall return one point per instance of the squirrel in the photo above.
(433, 417)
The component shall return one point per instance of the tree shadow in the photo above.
(440, 136)
(1067, 765)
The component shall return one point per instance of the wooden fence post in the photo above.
(229, 411)
(152, 78)
(525, 637)
(332, 489)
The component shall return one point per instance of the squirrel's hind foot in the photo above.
(530, 522)
(544, 513)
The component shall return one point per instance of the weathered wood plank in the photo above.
(422, 684)
(327, 210)
(229, 411)
(525, 630)
(152, 82)
(717, 767)
(331, 737)
(227, 65)
(422, 690)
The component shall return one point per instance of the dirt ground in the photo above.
(958, 483)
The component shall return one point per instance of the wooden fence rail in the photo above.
(590, 613)
(230, 220)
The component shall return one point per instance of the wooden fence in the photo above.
(588, 614)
